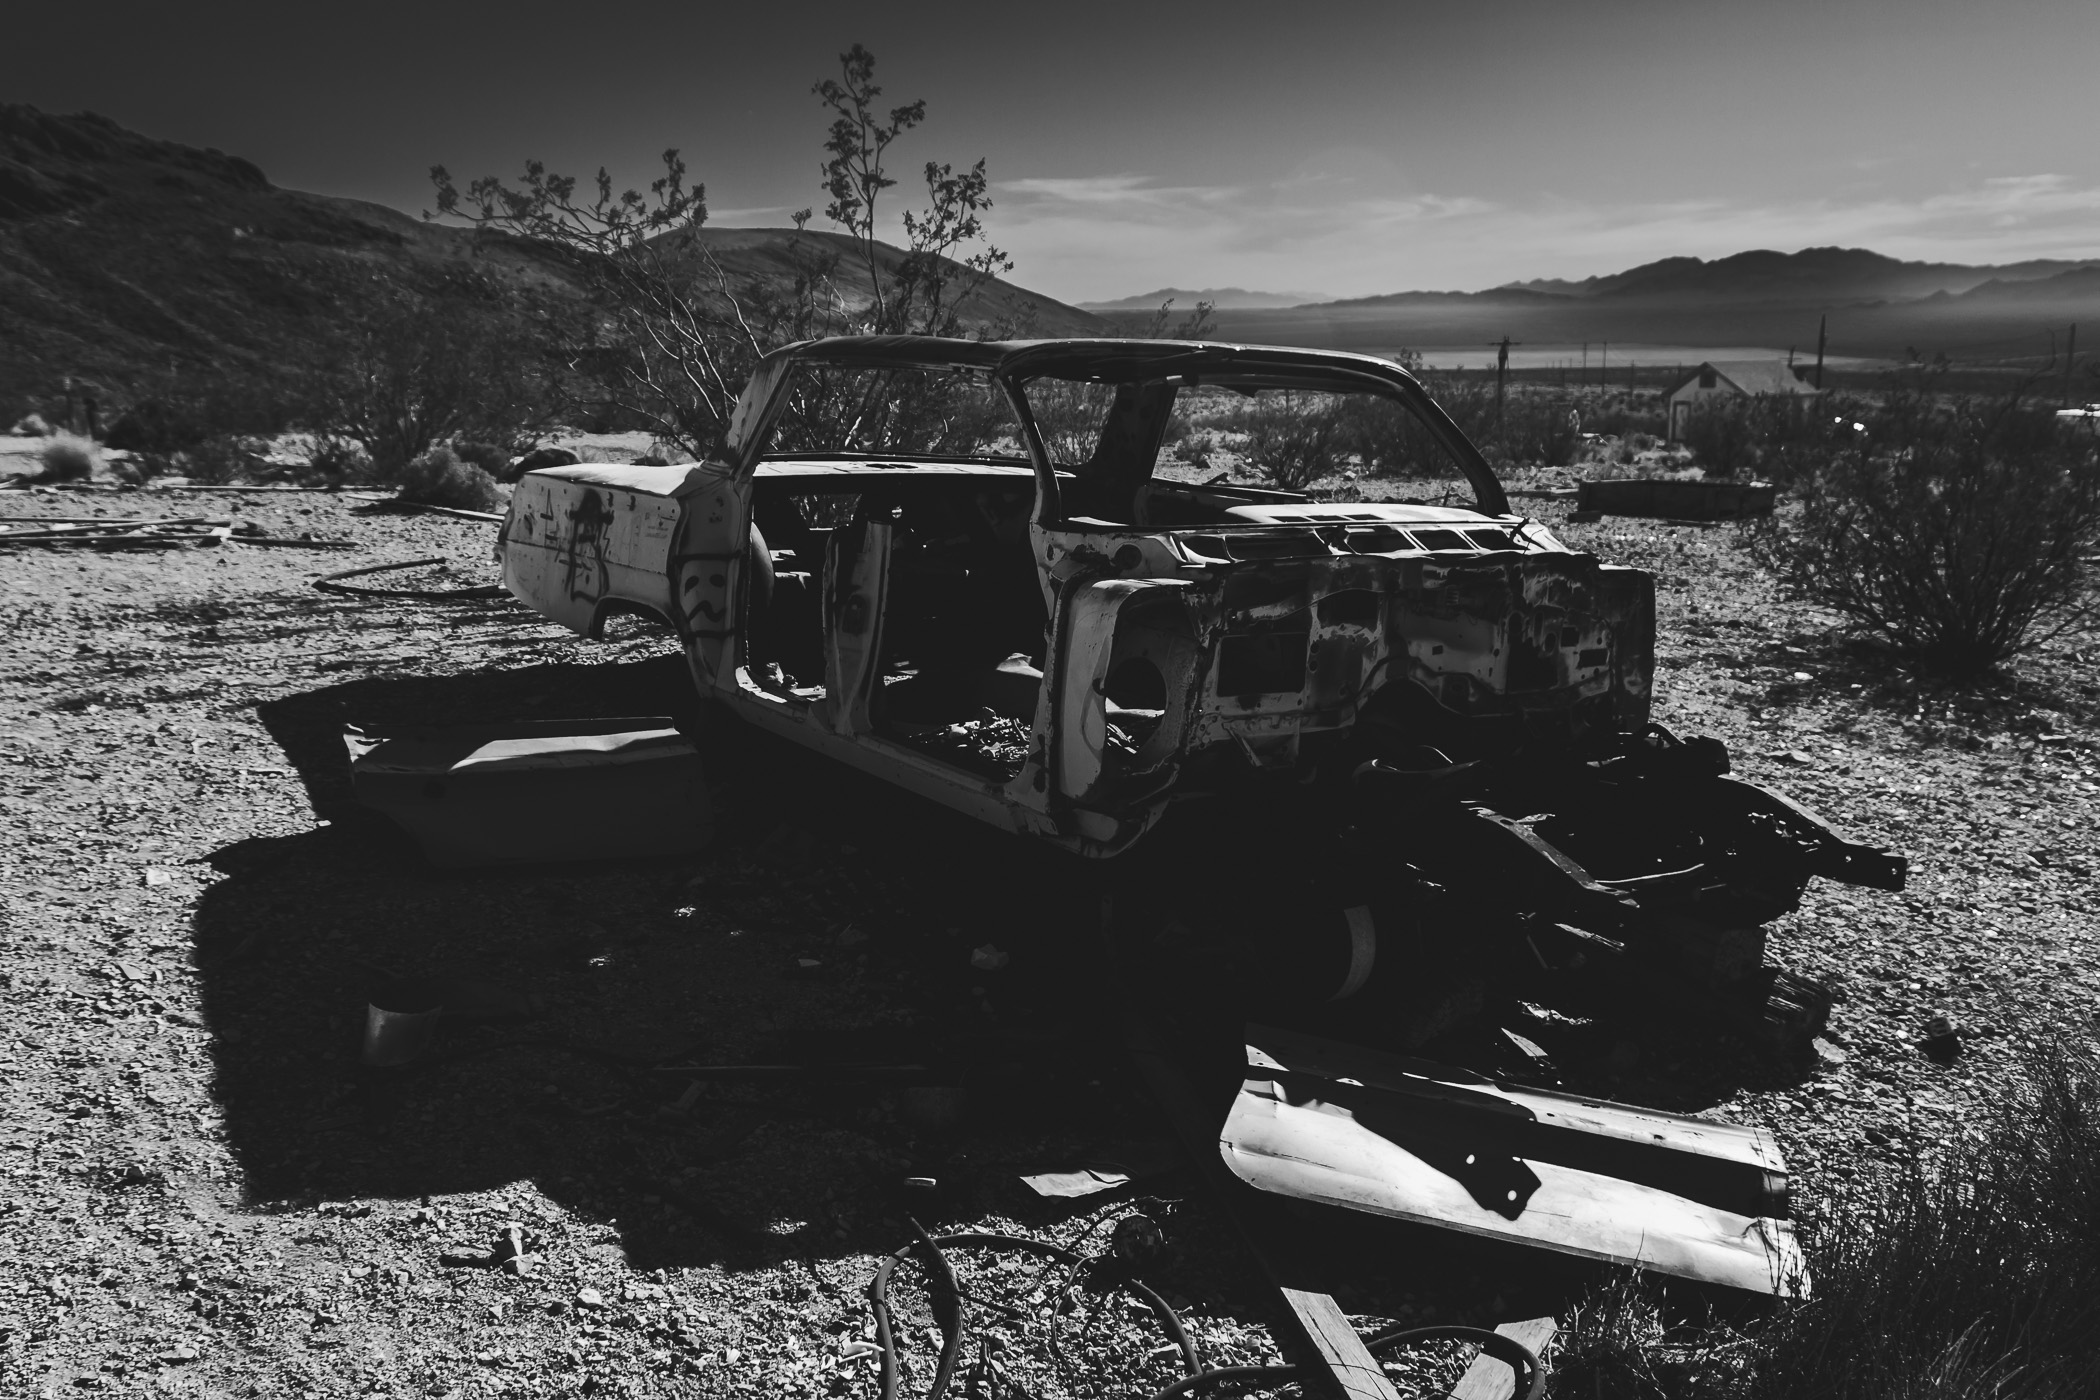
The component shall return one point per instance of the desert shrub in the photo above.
(404, 370)
(537, 459)
(65, 457)
(493, 458)
(1953, 532)
(1190, 449)
(1539, 432)
(31, 425)
(1623, 420)
(1723, 435)
(336, 461)
(160, 425)
(186, 410)
(439, 478)
(1294, 439)
(224, 459)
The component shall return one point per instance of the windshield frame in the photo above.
(1012, 365)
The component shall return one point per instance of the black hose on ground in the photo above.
(1521, 1359)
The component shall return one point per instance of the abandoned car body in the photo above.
(968, 569)
(1130, 641)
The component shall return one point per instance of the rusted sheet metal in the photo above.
(537, 791)
(583, 538)
(1363, 1131)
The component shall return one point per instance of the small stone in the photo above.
(589, 1298)
(989, 958)
(1828, 1053)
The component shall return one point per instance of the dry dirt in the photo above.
(209, 1197)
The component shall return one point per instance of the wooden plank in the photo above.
(1333, 1339)
(1324, 1327)
(1490, 1377)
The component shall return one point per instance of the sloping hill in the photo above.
(126, 261)
(768, 255)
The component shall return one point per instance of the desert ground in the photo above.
(210, 1197)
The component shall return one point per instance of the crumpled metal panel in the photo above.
(1358, 1130)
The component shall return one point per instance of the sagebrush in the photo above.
(1956, 531)
(439, 478)
(65, 457)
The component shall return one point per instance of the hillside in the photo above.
(126, 260)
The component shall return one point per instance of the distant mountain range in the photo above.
(126, 260)
(1832, 275)
(1223, 298)
(1813, 274)
(1877, 307)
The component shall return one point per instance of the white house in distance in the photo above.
(1723, 379)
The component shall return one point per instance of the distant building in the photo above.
(1733, 379)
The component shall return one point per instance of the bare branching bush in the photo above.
(438, 477)
(333, 461)
(1724, 435)
(491, 457)
(675, 335)
(1956, 532)
(406, 371)
(64, 457)
(1777, 437)
(223, 459)
(1294, 439)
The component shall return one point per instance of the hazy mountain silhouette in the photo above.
(1832, 275)
(1224, 298)
(125, 260)
(1876, 307)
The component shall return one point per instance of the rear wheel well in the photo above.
(624, 607)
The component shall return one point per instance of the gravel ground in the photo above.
(210, 1198)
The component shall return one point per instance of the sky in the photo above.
(1338, 149)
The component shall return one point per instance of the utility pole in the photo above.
(1822, 328)
(2070, 359)
(1502, 370)
(1604, 365)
